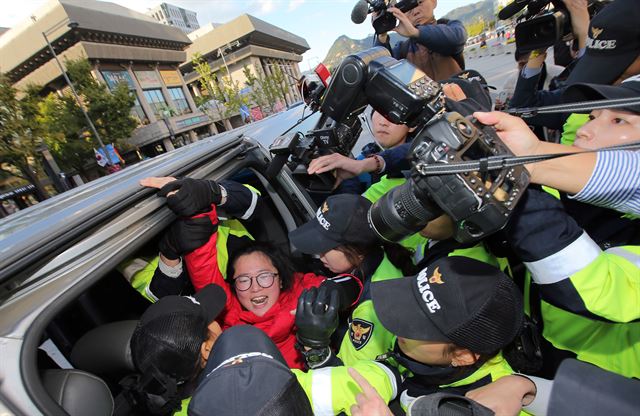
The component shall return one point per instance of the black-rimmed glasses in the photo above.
(265, 280)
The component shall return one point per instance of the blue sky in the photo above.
(320, 22)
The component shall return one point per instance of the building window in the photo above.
(156, 101)
(137, 112)
(179, 100)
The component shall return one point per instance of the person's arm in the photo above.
(614, 181)
(510, 394)
(202, 262)
(579, 20)
(607, 178)
(333, 390)
(572, 271)
(446, 39)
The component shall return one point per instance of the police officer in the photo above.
(451, 321)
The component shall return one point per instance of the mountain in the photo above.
(472, 12)
(344, 45)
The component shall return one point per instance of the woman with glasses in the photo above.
(263, 290)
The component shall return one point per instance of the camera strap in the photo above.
(500, 162)
(579, 107)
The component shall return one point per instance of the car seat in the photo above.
(105, 350)
(79, 393)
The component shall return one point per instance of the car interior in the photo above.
(83, 352)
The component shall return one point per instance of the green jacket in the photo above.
(591, 305)
(331, 390)
(366, 337)
(571, 126)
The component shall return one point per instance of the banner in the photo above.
(171, 78)
(101, 158)
(256, 114)
(148, 79)
(113, 78)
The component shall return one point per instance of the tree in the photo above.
(222, 96)
(266, 90)
(68, 134)
(20, 135)
(475, 28)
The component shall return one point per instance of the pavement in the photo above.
(496, 63)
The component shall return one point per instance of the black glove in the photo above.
(193, 196)
(349, 289)
(162, 285)
(317, 316)
(186, 235)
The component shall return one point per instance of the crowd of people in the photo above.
(429, 323)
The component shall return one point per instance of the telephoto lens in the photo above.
(402, 212)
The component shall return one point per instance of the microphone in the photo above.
(512, 8)
(360, 12)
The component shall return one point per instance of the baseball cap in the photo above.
(247, 375)
(341, 219)
(170, 332)
(630, 88)
(613, 43)
(455, 299)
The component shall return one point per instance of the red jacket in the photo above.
(278, 323)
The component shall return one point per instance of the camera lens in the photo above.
(400, 213)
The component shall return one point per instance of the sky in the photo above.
(320, 22)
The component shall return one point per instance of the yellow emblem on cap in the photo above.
(436, 278)
(596, 32)
(325, 207)
(464, 75)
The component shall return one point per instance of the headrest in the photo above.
(105, 349)
(79, 393)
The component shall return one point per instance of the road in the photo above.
(496, 68)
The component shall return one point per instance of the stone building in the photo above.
(246, 41)
(122, 46)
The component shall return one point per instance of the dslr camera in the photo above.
(479, 202)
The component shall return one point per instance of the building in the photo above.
(171, 15)
(122, 46)
(246, 42)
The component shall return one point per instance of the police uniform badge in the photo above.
(360, 332)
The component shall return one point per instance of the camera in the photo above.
(540, 27)
(479, 202)
(386, 21)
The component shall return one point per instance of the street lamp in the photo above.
(74, 25)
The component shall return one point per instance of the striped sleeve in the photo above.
(615, 182)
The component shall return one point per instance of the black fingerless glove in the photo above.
(186, 235)
(162, 285)
(193, 196)
(317, 316)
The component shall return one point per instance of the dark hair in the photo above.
(279, 261)
(397, 255)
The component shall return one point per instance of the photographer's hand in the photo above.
(579, 20)
(405, 26)
(345, 167)
(568, 175)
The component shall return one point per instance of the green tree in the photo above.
(475, 28)
(266, 90)
(209, 87)
(68, 134)
(20, 135)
